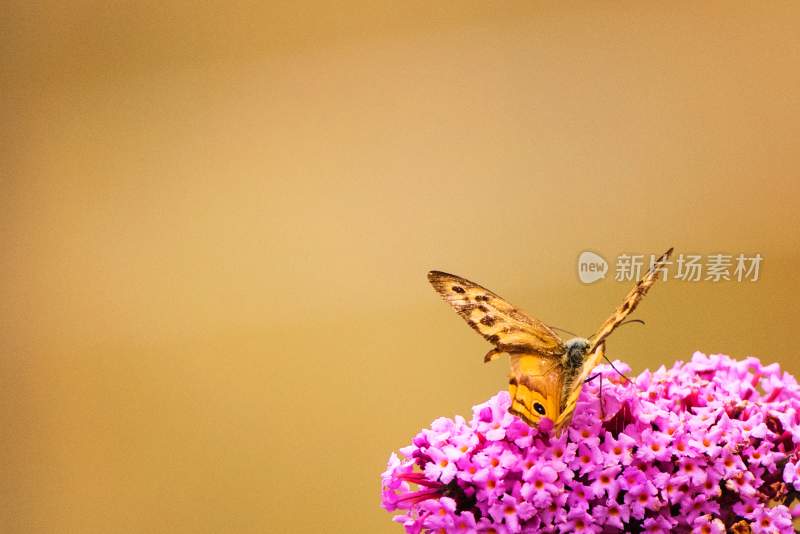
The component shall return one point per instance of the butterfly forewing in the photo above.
(629, 304)
(502, 324)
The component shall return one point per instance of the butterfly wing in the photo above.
(505, 326)
(535, 385)
(629, 304)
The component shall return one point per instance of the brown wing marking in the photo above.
(502, 324)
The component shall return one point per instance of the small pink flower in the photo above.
(791, 474)
(674, 490)
(614, 515)
(747, 508)
(659, 524)
(489, 487)
(654, 445)
(729, 463)
(605, 482)
(507, 510)
(442, 466)
(619, 450)
(707, 524)
(700, 505)
(586, 459)
(579, 496)
(539, 486)
(742, 483)
(560, 453)
(440, 513)
(464, 522)
(579, 520)
(773, 520)
(693, 470)
(706, 440)
(632, 477)
(642, 497)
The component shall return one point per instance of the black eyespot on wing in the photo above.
(487, 320)
(538, 408)
(458, 289)
(493, 338)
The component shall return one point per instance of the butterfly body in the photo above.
(573, 360)
(547, 373)
(577, 349)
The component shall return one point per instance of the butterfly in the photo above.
(547, 373)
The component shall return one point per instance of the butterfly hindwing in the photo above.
(502, 324)
(535, 384)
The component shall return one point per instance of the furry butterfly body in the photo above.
(547, 373)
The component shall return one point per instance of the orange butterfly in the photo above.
(547, 373)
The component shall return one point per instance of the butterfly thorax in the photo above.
(577, 348)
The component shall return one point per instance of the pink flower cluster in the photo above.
(707, 446)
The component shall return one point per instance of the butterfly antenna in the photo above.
(562, 330)
(576, 335)
(639, 321)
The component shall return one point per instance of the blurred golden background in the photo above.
(217, 219)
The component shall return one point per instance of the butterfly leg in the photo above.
(602, 405)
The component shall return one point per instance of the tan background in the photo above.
(216, 221)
